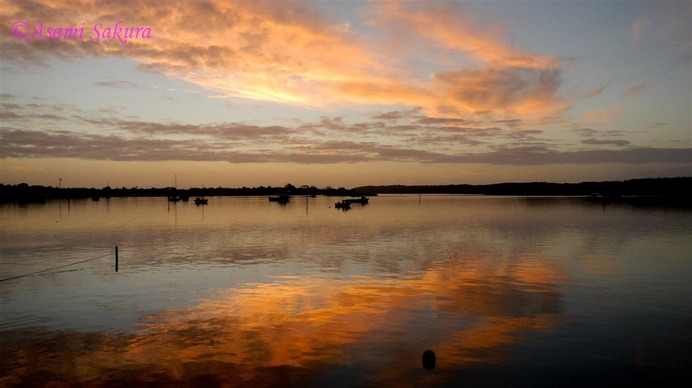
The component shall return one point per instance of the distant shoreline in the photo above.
(679, 188)
(634, 187)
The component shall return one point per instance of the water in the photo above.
(507, 291)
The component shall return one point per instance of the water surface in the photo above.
(508, 291)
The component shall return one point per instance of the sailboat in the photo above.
(175, 197)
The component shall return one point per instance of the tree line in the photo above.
(25, 193)
(680, 186)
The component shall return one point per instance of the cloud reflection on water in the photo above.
(312, 329)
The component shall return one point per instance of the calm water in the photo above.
(508, 291)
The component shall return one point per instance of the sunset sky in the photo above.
(344, 93)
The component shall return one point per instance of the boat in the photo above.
(201, 201)
(282, 198)
(175, 197)
(362, 200)
(344, 205)
(602, 198)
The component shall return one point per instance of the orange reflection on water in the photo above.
(293, 322)
(297, 327)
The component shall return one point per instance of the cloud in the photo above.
(450, 28)
(603, 115)
(16, 143)
(406, 136)
(538, 155)
(666, 24)
(500, 78)
(591, 132)
(519, 89)
(596, 91)
(243, 48)
(396, 115)
(116, 84)
(287, 52)
(605, 142)
(634, 90)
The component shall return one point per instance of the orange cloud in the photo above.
(456, 30)
(520, 90)
(284, 51)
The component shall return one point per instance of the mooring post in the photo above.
(116, 258)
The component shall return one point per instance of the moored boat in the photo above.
(282, 198)
(603, 198)
(362, 200)
(344, 205)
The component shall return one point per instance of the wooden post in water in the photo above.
(116, 258)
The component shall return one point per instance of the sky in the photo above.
(343, 93)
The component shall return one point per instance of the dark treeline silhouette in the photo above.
(679, 188)
(24, 193)
(670, 187)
